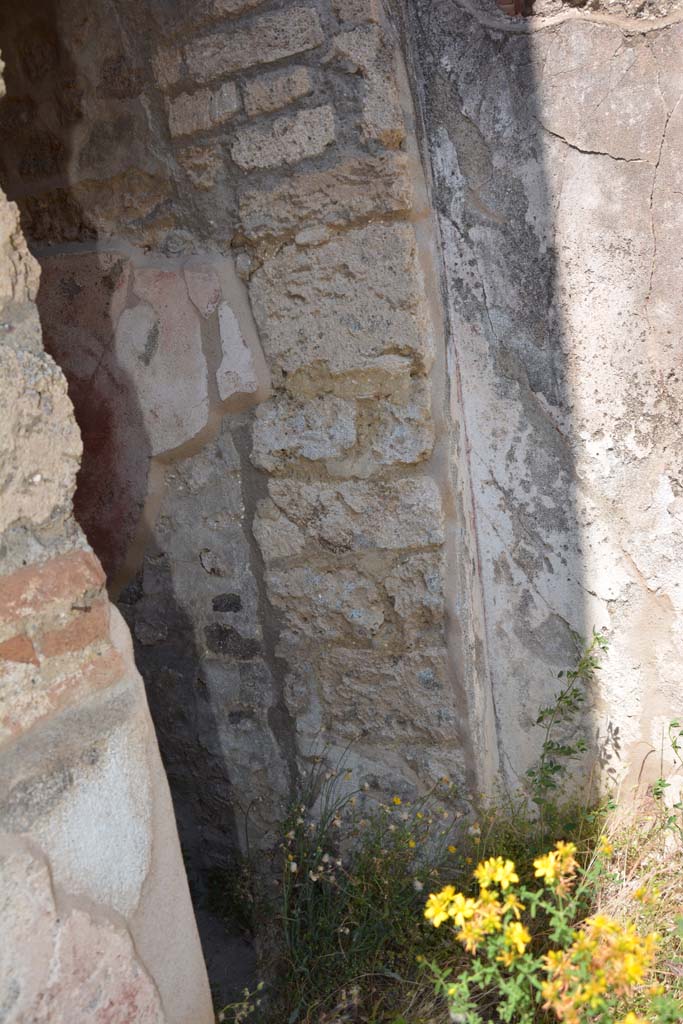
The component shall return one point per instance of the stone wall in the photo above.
(556, 177)
(96, 915)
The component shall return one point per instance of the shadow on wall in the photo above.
(497, 183)
(86, 292)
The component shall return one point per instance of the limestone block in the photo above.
(415, 586)
(19, 271)
(358, 10)
(286, 430)
(276, 89)
(360, 515)
(393, 700)
(276, 535)
(39, 451)
(343, 304)
(79, 968)
(363, 50)
(349, 191)
(268, 38)
(326, 605)
(236, 374)
(203, 287)
(167, 63)
(158, 342)
(286, 140)
(404, 432)
(202, 164)
(200, 111)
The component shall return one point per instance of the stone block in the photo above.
(85, 626)
(268, 38)
(276, 89)
(19, 270)
(276, 535)
(326, 605)
(19, 649)
(203, 110)
(364, 50)
(343, 304)
(236, 374)
(358, 10)
(286, 430)
(391, 700)
(415, 586)
(286, 140)
(167, 63)
(350, 191)
(202, 164)
(363, 515)
(402, 431)
(39, 453)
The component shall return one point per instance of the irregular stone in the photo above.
(286, 430)
(203, 287)
(225, 640)
(159, 344)
(236, 374)
(404, 432)
(276, 535)
(326, 605)
(276, 89)
(343, 304)
(361, 516)
(268, 38)
(200, 111)
(40, 446)
(202, 164)
(340, 195)
(287, 140)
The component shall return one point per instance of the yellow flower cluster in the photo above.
(496, 871)
(605, 959)
(558, 867)
(476, 918)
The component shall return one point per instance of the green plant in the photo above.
(673, 818)
(560, 743)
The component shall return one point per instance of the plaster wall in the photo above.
(555, 150)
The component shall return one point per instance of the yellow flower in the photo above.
(436, 909)
(468, 860)
(451, 990)
(516, 936)
(496, 871)
(512, 903)
(606, 847)
(452, 849)
(547, 867)
(411, 844)
(631, 1018)
(396, 800)
(461, 909)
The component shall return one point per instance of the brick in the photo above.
(85, 628)
(276, 90)
(18, 649)
(269, 38)
(35, 587)
(203, 110)
(286, 140)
